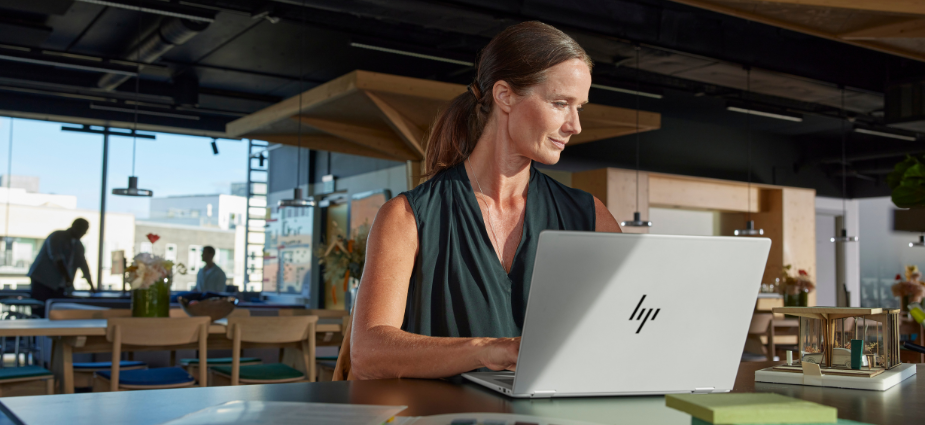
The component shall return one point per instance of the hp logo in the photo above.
(643, 312)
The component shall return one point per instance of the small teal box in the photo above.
(857, 349)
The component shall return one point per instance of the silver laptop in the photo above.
(630, 314)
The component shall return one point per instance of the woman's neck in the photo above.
(501, 172)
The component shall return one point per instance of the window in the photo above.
(194, 261)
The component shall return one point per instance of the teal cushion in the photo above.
(263, 372)
(22, 372)
(159, 376)
(108, 365)
(219, 360)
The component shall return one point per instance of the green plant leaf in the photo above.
(894, 179)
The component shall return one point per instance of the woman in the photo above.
(449, 263)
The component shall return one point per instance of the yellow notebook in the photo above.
(757, 408)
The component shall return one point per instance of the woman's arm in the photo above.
(604, 219)
(379, 348)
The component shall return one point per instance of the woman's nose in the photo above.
(572, 125)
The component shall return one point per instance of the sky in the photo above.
(69, 163)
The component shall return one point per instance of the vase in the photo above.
(153, 301)
(799, 299)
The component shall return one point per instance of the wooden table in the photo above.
(900, 405)
(89, 336)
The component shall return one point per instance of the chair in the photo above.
(192, 365)
(342, 367)
(292, 332)
(153, 332)
(84, 371)
(26, 380)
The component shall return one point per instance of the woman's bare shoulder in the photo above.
(395, 215)
(604, 219)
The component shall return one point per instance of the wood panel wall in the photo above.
(786, 214)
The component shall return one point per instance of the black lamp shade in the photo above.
(132, 189)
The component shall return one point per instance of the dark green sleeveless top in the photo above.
(458, 287)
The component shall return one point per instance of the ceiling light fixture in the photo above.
(919, 244)
(764, 112)
(132, 189)
(843, 237)
(139, 8)
(627, 91)
(749, 229)
(412, 54)
(297, 200)
(637, 220)
(863, 130)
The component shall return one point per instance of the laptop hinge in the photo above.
(704, 390)
(543, 394)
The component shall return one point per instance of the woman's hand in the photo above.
(500, 353)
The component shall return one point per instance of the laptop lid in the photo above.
(637, 314)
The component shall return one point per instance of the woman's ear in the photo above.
(503, 95)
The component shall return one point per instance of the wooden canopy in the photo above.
(387, 116)
(896, 27)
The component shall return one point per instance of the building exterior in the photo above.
(33, 216)
(219, 211)
(183, 244)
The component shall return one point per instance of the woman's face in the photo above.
(543, 119)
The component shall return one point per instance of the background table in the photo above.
(899, 405)
(89, 336)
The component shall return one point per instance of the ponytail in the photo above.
(520, 56)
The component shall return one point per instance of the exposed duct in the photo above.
(172, 32)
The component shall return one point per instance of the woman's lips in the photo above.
(558, 143)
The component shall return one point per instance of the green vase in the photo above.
(800, 299)
(153, 301)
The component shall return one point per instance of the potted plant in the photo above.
(795, 289)
(150, 278)
(343, 262)
(910, 290)
(907, 182)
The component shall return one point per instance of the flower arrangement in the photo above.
(344, 258)
(146, 269)
(912, 287)
(790, 284)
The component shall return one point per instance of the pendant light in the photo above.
(637, 217)
(297, 200)
(749, 229)
(132, 189)
(843, 236)
(919, 244)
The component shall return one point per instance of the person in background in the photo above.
(53, 271)
(210, 278)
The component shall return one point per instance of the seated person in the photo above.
(449, 262)
(210, 278)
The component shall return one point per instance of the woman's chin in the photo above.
(549, 157)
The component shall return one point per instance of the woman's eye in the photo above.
(560, 104)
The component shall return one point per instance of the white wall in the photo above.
(826, 262)
(884, 253)
(20, 196)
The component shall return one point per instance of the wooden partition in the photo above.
(787, 214)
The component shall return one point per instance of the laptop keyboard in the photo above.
(506, 381)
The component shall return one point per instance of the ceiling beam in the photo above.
(751, 16)
(324, 143)
(407, 130)
(911, 7)
(907, 28)
(383, 141)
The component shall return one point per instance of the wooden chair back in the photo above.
(342, 367)
(79, 314)
(238, 312)
(270, 329)
(152, 332)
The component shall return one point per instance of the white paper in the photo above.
(289, 413)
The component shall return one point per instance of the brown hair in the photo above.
(520, 56)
